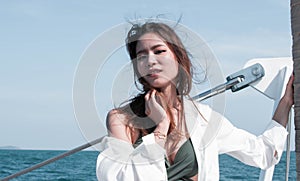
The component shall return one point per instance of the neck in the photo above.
(170, 94)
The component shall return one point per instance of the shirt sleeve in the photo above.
(119, 161)
(261, 151)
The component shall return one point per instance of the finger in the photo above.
(153, 100)
(147, 96)
(289, 91)
(291, 81)
(147, 112)
(147, 108)
(153, 93)
(150, 96)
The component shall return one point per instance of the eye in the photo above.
(159, 51)
(141, 57)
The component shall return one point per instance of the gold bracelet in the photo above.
(159, 135)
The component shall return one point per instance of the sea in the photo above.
(81, 166)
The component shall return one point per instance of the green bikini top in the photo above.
(185, 163)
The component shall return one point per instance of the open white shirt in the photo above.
(119, 161)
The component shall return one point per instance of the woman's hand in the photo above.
(157, 113)
(154, 110)
(289, 92)
(282, 112)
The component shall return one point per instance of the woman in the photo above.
(159, 134)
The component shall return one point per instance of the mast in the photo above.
(295, 27)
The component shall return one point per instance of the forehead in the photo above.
(149, 39)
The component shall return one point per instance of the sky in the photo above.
(42, 42)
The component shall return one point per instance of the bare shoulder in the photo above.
(116, 117)
(117, 125)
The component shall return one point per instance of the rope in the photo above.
(288, 147)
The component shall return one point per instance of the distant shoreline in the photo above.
(18, 148)
(9, 148)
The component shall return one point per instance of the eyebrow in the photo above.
(152, 48)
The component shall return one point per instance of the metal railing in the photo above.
(235, 82)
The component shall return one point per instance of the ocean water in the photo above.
(232, 169)
(82, 165)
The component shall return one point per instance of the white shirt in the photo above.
(211, 135)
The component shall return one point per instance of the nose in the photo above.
(151, 60)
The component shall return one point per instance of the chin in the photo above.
(159, 83)
(159, 86)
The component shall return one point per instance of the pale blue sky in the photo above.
(41, 43)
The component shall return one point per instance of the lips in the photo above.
(153, 72)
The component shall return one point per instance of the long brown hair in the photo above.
(173, 42)
(135, 110)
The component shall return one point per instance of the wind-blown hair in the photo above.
(184, 78)
(135, 110)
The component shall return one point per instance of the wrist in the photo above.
(160, 137)
(161, 131)
(163, 127)
(282, 112)
(287, 102)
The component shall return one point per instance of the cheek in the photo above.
(176, 69)
(171, 70)
(174, 66)
(174, 63)
(141, 68)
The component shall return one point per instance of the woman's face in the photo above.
(155, 61)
